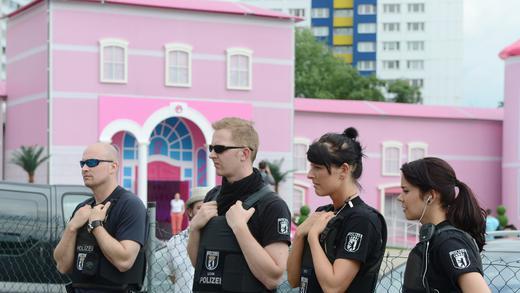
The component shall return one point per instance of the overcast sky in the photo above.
(489, 26)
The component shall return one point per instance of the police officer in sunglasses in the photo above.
(102, 246)
(239, 239)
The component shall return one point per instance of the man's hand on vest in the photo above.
(207, 211)
(99, 212)
(80, 217)
(237, 216)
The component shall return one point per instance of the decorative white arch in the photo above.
(142, 135)
(178, 109)
(121, 125)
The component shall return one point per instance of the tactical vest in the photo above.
(329, 238)
(417, 275)
(221, 266)
(91, 269)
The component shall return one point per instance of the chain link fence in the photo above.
(27, 265)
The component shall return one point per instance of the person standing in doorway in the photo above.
(181, 270)
(176, 213)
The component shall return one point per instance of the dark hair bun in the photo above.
(351, 133)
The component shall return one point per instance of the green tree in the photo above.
(276, 171)
(403, 92)
(29, 158)
(320, 74)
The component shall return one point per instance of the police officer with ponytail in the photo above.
(340, 247)
(447, 258)
(102, 246)
(239, 240)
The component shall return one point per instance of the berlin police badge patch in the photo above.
(353, 241)
(460, 258)
(211, 260)
(283, 226)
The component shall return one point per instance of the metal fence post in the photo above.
(151, 245)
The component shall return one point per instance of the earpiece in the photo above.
(429, 200)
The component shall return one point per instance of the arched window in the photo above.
(175, 140)
(239, 68)
(417, 150)
(201, 168)
(129, 161)
(391, 159)
(300, 154)
(113, 61)
(178, 65)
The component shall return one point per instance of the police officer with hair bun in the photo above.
(340, 247)
(447, 257)
(102, 246)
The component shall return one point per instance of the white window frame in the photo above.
(366, 65)
(366, 47)
(417, 145)
(343, 31)
(366, 9)
(243, 52)
(391, 46)
(103, 43)
(320, 31)
(171, 47)
(320, 12)
(367, 28)
(391, 144)
(343, 12)
(306, 142)
(303, 189)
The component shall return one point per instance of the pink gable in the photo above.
(510, 51)
(197, 5)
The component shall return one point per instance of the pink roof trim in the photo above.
(210, 6)
(510, 51)
(395, 109)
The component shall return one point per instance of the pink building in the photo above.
(151, 77)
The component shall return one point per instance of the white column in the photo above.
(142, 176)
(211, 173)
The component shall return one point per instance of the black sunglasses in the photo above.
(91, 163)
(219, 149)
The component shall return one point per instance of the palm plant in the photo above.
(276, 171)
(29, 158)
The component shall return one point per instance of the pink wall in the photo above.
(26, 113)
(511, 148)
(146, 73)
(473, 154)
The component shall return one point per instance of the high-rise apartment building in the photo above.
(349, 27)
(422, 41)
(6, 7)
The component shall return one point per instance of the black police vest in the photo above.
(365, 280)
(418, 277)
(91, 269)
(221, 266)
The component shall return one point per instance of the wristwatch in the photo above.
(93, 225)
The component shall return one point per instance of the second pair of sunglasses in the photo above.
(219, 149)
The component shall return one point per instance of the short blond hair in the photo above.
(242, 133)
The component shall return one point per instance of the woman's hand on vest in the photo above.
(303, 228)
(237, 216)
(207, 211)
(319, 225)
(80, 217)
